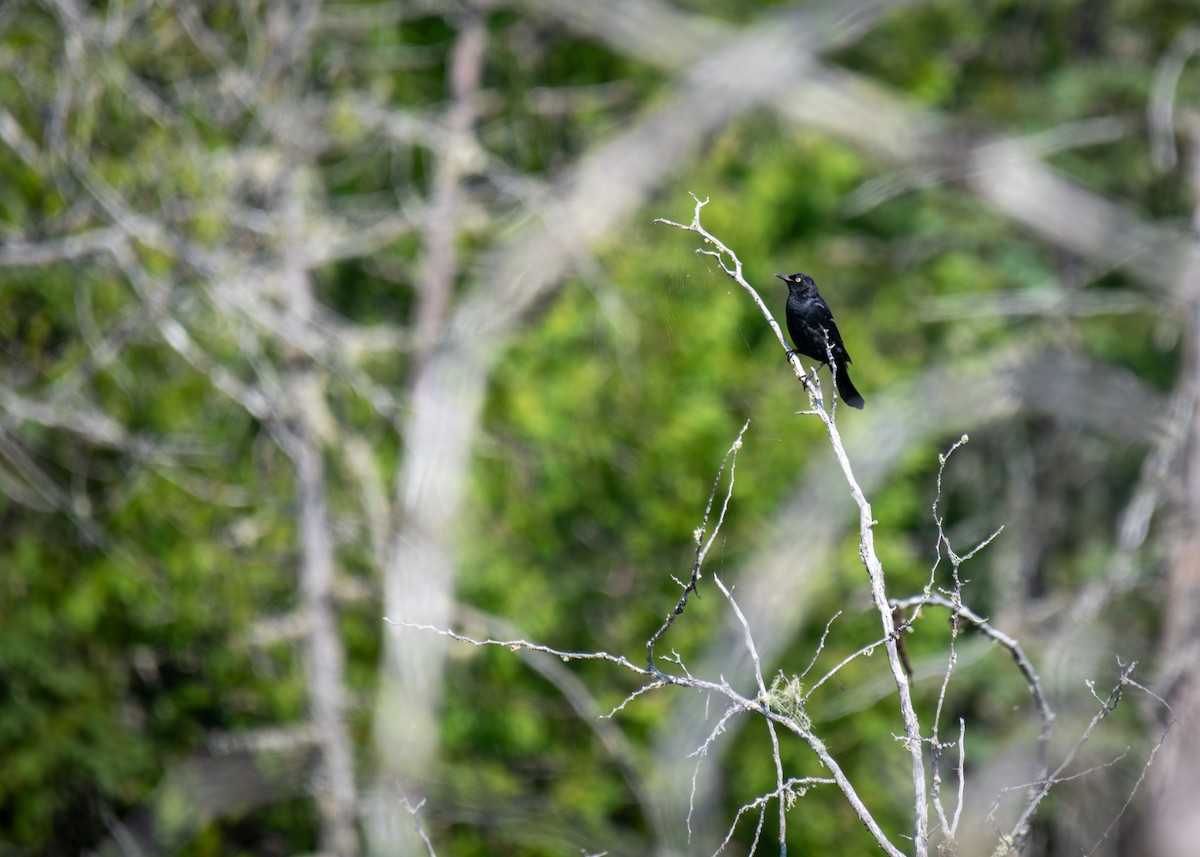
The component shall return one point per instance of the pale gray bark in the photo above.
(1173, 822)
(310, 432)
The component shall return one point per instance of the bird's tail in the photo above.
(846, 389)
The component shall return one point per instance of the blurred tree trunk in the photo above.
(444, 391)
(310, 431)
(1173, 825)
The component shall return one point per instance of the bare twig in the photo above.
(1014, 648)
(762, 694)
(732, 266)
(1019, 832)
(414, 811)
(702, 548)
(701, 753)
(865, 650)
(786, 793)
(1162, 739)
(820, 644)
(525, 645)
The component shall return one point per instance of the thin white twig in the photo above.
(701, 753)
(762, 694)
(794, 787)
(732, 266)
(820, 644)
(962, 779)
(865, 650)
(643, 689)
(702, 547)
(414, 812)
(1162, 739)
(525, 645)
(1019, 832)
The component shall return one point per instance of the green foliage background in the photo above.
(129, 592)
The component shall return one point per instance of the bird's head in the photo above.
(798, 280)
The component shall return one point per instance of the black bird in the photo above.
(809, 321)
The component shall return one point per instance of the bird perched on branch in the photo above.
(810, 322)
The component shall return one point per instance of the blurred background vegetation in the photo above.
(315, 313)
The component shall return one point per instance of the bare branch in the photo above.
(525, 645)
(440, 227)
(414, 811)
(1014, 648)
(1158, 745)
(739, 703)
(865, 650)
(1160, 111)
(65, 249)
(702, 547)
(762, 695)
(786, 793)
(820, 644)
(1019, 831)
(732, 266)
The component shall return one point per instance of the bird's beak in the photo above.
(783, 277)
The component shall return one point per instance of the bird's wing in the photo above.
(825, 317)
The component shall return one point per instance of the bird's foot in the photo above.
(795, 353)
